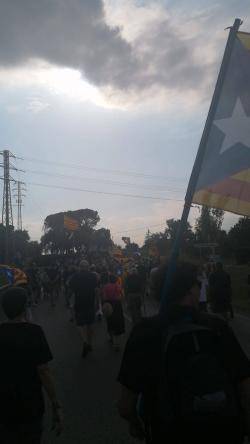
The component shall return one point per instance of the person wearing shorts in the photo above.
(84, 284)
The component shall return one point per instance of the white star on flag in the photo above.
(236, 128)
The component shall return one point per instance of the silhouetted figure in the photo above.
(113, 311)
(183, 372)
(24, 370)
(134, 292)
(84, 283)
(220, 291)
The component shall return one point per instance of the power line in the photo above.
(103, 170)
(137, 196)
(107, 181)
(139, 229)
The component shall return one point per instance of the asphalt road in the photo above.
(87, 387)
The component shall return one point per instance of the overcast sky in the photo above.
(109, 96)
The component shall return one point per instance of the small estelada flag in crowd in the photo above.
(224, 177)
(70, 223)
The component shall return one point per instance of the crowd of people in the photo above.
(215, 289)
(182, 372)
(91, 291)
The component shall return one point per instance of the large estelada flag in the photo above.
(224, 178)
(70, 223)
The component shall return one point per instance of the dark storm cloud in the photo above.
(73, 33)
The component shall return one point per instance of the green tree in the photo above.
(58, 239)
(101, 240)
(158, 241)
(208, 225)
(172, 230)
(20, 246)
(218, 217)
(239, 240)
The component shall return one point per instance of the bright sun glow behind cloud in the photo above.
(56, 80)
(70, 85)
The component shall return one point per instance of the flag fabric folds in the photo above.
(70, 223)
(224, 178)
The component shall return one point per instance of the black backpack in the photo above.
(194, 389)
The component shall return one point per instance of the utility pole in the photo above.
(7, 213)
(19, 200)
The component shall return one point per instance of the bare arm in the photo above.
(49, 387)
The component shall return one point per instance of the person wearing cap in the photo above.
(24, 371)
(84, 283)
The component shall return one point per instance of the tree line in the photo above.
(234, 244)
(58, 240)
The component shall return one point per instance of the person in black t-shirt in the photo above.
(24, 370)
(84, 284)
(141, 367)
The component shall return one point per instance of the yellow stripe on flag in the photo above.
(244, 176)
(226, 203)
(244, 38)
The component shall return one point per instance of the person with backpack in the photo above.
(184, 376)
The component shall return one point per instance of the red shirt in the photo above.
(111, 292)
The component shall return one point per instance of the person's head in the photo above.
(184, 287)
(93, 268)
(112, 279)
(14, 302)
(84, 265)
